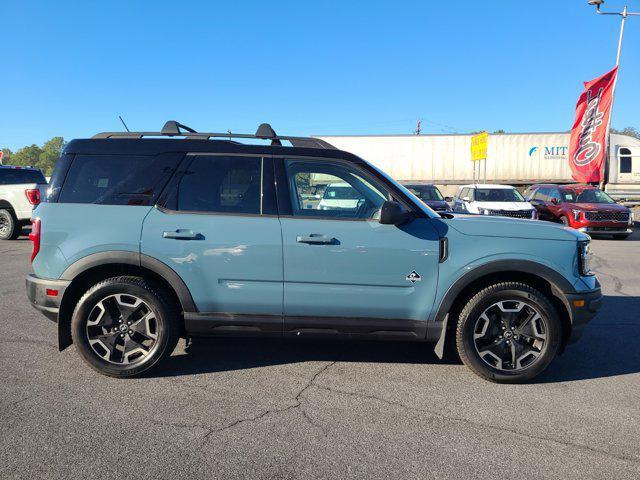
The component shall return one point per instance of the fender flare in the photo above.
(138, 260)
(559, 287)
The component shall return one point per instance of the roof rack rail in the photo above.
(264, 132)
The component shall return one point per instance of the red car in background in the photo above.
(582, 207)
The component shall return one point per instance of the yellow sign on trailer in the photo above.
(479, 153)
(479, 147)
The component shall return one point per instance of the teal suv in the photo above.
(146, 237)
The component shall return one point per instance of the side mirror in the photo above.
(392, 213)
(554, 201)
(448, 199)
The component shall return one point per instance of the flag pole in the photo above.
(624, 14)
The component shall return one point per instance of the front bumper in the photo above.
(606, 230)
(583, 306)
(45, 295)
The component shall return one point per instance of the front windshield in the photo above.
(586, 196)
(427, 193)
(497, 195)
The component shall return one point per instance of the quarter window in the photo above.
(222, 185)
(332, 189)
(117, 179)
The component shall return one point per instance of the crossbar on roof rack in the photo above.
(264, 132)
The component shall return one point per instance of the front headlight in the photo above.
(534, 214)
(576, 214)
(584, 259)
(631, 217)
(483, 211)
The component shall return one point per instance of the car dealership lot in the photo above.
(299, 409)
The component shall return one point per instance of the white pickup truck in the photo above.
(20, 189)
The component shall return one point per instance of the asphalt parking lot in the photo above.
(290, 409)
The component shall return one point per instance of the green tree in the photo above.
(44, 157)
(630, 131)
(50, 153)
(27, 156)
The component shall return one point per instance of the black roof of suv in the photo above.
(153, 143)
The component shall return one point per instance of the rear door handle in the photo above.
(182, 234)
(315, 239)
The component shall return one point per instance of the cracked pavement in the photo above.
(249, 408)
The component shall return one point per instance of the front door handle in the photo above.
(315, 239)
(182, 234)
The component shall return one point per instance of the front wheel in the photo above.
(123, 326)
(508, 333)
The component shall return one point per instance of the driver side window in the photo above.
(333, 190)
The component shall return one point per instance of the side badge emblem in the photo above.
(414, 277)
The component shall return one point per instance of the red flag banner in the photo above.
(588, 146)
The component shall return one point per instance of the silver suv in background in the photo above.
(19, 193)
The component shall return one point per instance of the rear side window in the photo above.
(16, 176)
(117, 179)
(216, 184)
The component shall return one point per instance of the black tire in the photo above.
(9, 227)
(513, 293)
(162, 314)
(622, 236)
(565, 221)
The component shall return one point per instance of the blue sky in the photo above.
(324, 67)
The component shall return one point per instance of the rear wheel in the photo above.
(9, 227)
(508, 332)
(123, 327)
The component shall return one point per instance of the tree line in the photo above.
(45, 157)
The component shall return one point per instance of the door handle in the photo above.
(182, 234)
(315, 239)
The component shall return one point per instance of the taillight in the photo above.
(33, 196)
(34, 236)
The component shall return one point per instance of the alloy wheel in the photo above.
(122, 329)
(510, 335)
(4, 225)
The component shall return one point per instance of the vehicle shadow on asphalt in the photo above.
(209, 355)
(608, 348)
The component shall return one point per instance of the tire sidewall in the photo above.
(13, 225)
(554, 335)
(98, 293)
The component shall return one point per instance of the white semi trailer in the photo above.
(516, 159)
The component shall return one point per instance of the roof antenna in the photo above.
(125, 125)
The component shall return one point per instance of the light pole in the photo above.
(624, 14)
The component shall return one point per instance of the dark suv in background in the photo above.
(430, 195)
(583, 207)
